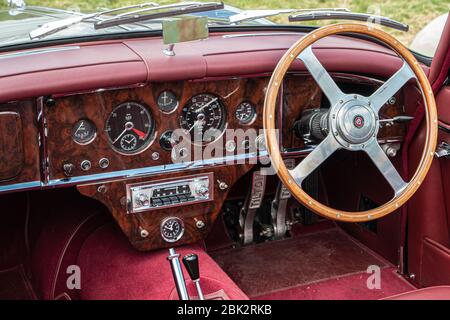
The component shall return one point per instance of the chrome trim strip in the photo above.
(264, 34)
(21, 186)
(151, 171)
(37, 51)
(146, 172)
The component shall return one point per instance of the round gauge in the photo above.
(203, 117)
(129, 128)
(166, 140)
(172, 229)
(167, 101)
(84, 132)
(245, 113)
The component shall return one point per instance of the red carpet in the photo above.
(352, 287)
(281, 269)
(15, 285)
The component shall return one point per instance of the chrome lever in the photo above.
(178, 276)
(443, 150)
(397, 119)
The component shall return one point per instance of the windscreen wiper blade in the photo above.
(164, 11)
(333, 15)
(260, 14)
(55, 26)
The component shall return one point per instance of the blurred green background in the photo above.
(416, 13)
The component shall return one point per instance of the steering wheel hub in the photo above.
(354, 123)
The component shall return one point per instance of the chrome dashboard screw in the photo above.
(155, 156)
(102, 189)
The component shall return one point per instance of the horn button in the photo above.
(354, 122)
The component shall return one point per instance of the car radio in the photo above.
(170, 192)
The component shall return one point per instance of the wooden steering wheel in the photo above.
(353, 123)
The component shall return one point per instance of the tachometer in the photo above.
(203, 117)
(129, 128)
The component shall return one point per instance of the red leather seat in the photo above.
(431, 293)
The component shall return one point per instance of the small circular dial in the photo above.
(245, 113)
(166, 141)
(203, 117)
(128, 142)
(84, 132)
(129, 128)
(172, 229)
(167, 101)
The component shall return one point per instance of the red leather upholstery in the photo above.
(431, 293)
(120, 63)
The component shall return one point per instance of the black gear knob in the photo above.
(190, 262)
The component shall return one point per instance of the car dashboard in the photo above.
(102, 117)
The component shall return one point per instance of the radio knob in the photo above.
(202, 190)
(143, 200)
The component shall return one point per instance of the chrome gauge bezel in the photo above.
(149, 139)
(161, 107)
(91, 137)
(179, 236)
(253, 116)
(223, 120)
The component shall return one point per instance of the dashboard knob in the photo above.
(103, 163)
(85, 165)
(202, 190)
(143, 200)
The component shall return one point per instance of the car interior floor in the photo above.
(320, 261)
(324, 264)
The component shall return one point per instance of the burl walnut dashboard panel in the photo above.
(98, 106)
(143, 228)
(19, 145)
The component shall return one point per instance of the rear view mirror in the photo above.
(185, 29)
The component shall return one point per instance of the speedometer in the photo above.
(203, 117)
(129, 128)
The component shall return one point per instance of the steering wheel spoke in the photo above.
(322, 77)
(322, 152)
(391, 87)
(385, 166)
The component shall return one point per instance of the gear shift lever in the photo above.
(190, 262)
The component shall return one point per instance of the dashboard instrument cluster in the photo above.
(133, 128)
(122, 147)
